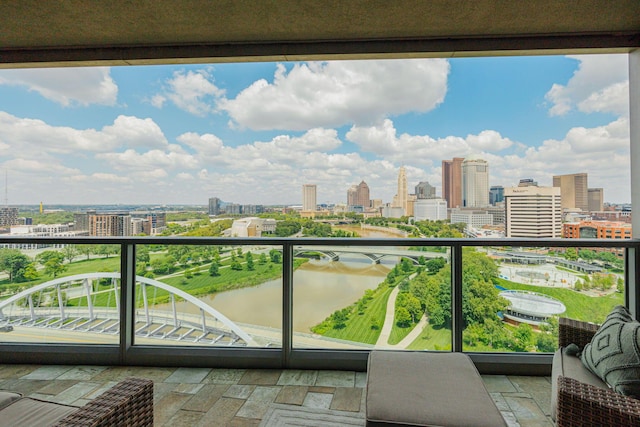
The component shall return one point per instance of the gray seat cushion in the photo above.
(427, 389)
(572, 367)
(33, 413)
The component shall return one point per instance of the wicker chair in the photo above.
(128, 403)
(581, 404)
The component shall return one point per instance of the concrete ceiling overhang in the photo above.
(90, 32)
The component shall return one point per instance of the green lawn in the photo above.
(432, 339)
(358, 327)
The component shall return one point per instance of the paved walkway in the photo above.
(194, 397)
(385, 333)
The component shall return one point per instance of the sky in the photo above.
(254, 133)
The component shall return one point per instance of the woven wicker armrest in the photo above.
(575, 331)
(581, 404)
(128, 403)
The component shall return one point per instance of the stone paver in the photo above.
(261, 377)
(347, 399)
(292, 395)
(204, 399)
(239, 397)
(184, 418)
(166, 408)
(336, 378)
(225, 376)
(317, 400)
(188, 375)
(239, 391)
(298, 377)
(221, 413)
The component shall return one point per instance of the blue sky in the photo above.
(255, 132)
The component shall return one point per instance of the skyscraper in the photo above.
(362, 195)
(596, 199)
(573, 190)
(214, 206)
(352, 196)
(424, 190)
(309, 198)
(533, 212)
(401, 197)
(452, 181)
(496, 194)
(475, 183)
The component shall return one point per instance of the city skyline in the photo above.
(256, 132)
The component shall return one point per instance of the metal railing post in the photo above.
(456, 298)
(127, 298)
(287, 303)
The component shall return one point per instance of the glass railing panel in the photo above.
(361, 297)
(55, 293)
(513, 297)
(229, 296)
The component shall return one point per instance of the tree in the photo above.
(262, 259)
(434, 265)
(276, 256)
(571, 254)
(86, 250)
(54, 266)
(249, 258)
(70, 252)
(523, 337)
(214, 269)
(30, 272)
(14, 263)
(403, 318)
(235, 264)
(142, 254)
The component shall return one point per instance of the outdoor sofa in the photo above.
(128, 404)
(579, 397)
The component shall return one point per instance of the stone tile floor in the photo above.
(238, 397)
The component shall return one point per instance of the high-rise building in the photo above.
(596, 199)
(8, 216)
(452, 181)
(110, 224)
(424, 190)
(533, 212)
(362, 195)
(574, 190)
(352, 196)
(496, 194)
(215, 207)
(430, 209)
(475, 183)
(401, 197)
(309, 197)
(153, 223)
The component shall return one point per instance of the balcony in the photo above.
(239, 397)
(303, 303)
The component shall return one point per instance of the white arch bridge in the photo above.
(96, 309)
(375, 254)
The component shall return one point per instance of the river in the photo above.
(320, 287)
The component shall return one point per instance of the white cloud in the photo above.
(38, 167)
(600, 84)
(423, 149)
(191, 91)
(66, 86)
(35, 138)
(331, 94)
(149, 161)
